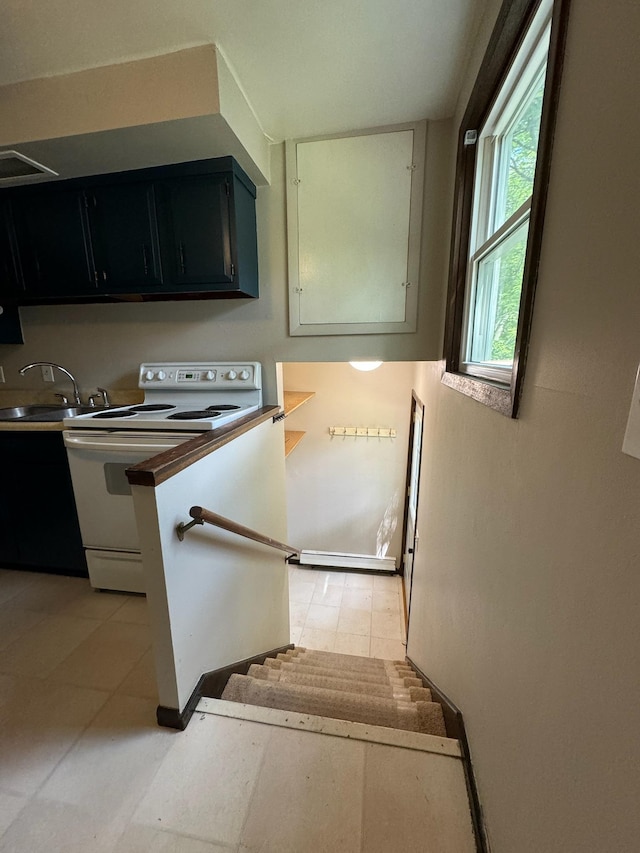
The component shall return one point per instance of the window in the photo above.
(502, 175)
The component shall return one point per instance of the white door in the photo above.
(411, 506)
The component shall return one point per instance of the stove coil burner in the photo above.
(222, 408)
(195, 415)
(125, 414)
(153, 407)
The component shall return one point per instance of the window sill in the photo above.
(498, 397)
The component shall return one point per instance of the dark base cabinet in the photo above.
(184, 231)
(38, 521)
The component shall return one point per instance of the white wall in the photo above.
(347, 494)
(526, 593)
(104, 344)
(215, 598)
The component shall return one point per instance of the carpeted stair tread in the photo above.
(391, 674)
(393, 688)
(424, 717)
(329, 672)
(354, 663)
(340, 658)
(325, 661)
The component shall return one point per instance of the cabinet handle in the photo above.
(182, 266)
(144, 259)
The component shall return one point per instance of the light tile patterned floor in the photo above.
(84, 766)
(347, 612)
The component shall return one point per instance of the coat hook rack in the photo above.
(366, 432)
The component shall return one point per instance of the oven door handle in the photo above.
(121, 446)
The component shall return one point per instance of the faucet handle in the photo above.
(100, 392)
(63, 400)
(105, 395)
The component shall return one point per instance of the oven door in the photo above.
(98, 461)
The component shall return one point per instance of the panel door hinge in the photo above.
(227, 188)
(233, 270)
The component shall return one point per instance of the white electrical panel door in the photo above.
(353, 235)
(631, 443)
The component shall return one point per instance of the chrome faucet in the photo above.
(100, 392)
(76, 393)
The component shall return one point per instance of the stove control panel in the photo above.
(200, 376)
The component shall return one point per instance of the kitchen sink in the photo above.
(32, 413)
(14, 413)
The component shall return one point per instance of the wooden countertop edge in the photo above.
(33, 426)
(164, 465)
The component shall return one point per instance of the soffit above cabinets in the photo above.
(165, 109)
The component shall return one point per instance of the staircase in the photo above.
(344, 687)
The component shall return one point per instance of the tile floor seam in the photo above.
(121, 682)
(34, 793)
(254, 787)
(364, 802)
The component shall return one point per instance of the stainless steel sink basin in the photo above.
(14, 413)
(59, 414)
(32, 413)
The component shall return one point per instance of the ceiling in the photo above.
(307, 67)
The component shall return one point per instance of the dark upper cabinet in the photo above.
(167, 232)
(11, 283)
(197, 232)
(10, 323)
(124, 237)
(53, 243)
(208, 233)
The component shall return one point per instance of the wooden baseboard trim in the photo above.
(171, 718)
(454, 724)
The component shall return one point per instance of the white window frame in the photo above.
(523, 79)
(513, 21)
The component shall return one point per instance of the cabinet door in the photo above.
(46, 522)
(10, 324)
(196, 216)
(8, 508)
(53, 242)
(124, 238)
(10, 278)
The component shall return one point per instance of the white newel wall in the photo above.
(215, 598)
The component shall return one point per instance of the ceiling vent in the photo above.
(14, 165)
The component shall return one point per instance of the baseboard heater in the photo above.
(335, 560)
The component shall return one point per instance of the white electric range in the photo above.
(181, 400)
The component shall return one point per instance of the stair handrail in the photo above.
(200, 515)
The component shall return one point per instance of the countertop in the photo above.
(12, 397)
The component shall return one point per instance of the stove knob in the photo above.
(244, 374)
(149, 375)
(161, 375)
(232, 374)
(210, 375)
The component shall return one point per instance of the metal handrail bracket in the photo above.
(182, 528)
(200, 515)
